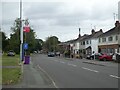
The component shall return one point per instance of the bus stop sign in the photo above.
(25, 45)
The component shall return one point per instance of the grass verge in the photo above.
(11, 75)
(10, 60)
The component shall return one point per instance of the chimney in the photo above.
(117, 23)
(93, 31)
(101, 30)
(79, 34)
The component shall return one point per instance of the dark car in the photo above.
(51, 54)
(105, 57)
(11, 53)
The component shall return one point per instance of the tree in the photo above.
(51, 43)
(30, 39)
(39, 44)
(14, 42)
(4, 41)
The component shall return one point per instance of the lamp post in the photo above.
(21, 33)
(79, 42)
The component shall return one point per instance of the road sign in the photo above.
(26, 28)
(25, 45)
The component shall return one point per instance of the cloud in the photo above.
(63, 17)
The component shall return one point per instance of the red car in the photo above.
(105, 57)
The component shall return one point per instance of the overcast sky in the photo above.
(61, 18)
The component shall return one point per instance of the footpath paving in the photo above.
(32, 77)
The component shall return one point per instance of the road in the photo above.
(74, 73)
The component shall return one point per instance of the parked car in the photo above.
(57, 53)
(91, 57)
(51, 54)
(11, 53)
(116, 57)
(105, 57)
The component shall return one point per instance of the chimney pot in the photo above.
(117, 23)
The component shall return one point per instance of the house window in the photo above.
(99, 40)
(87, 42)
(90, 41)
(83, 42)
(103, 39)
(110, 38)
(116, 38)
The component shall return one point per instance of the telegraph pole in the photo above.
(79, 42)
(21, 34)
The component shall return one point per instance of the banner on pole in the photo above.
(26, 29)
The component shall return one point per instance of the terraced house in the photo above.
(87, 44)
(109, 42)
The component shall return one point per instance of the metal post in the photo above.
(79, 42)
(21, 33)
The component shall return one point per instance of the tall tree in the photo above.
(39, 44)
(14, 42)
(51, 43)
(15, 37)
(4, 41)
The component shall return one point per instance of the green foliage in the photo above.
(30, 39)
(38, 44)
(14, 41)
(51, 43)
(4, 41)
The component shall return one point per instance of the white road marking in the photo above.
(72, 65)
(90, 69)
(115, 76)
(48, 76)
(62, 62)
(56, 60)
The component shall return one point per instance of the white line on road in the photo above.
(48, 76)
(72, 65)
(62, 62)
(90, 69)
(115, 76)
(56, 60)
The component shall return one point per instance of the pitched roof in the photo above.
(95, 35)
(115, 30)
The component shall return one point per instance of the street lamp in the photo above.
(21, 33)
(79, 42)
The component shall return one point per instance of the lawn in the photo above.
(10, 60)
(11, 75)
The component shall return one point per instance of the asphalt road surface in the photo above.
(68, 73)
